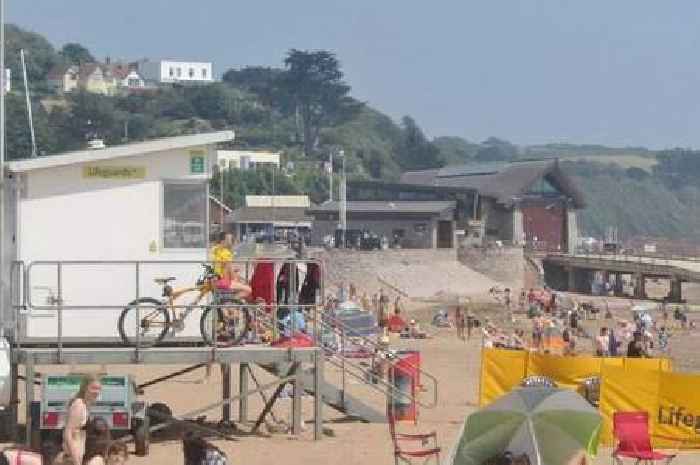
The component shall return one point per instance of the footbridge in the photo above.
(578, 272)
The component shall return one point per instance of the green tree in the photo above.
(76, 54)
(40, 57)
(312, 87)
(414, 151)
(259, 80)
(495, 149)
(93, 115)
(18, 137)
(455, 150)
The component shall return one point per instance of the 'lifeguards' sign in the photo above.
(114, 172)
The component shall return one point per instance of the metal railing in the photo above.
(24, 303)
(323, 323)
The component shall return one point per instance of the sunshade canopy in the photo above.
(551, 426)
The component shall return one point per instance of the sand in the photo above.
(454, 362)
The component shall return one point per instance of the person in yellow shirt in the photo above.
(222, 253)
(229, 276)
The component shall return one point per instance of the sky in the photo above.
(613, 72)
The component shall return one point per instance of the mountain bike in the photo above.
(225, 319)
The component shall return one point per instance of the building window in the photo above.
(184, 216)
(171, 71)
(191, 73)
(204, 73)
(179, 72)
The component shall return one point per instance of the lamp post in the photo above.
(343, 199)
(330, 177)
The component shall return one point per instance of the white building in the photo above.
(146, 201)
(170, 71)
(247, 159)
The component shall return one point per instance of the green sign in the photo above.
(197, 162)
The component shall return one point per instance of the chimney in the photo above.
(108, 60)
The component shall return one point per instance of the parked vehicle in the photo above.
(118, 405)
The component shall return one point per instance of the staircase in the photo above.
(336, 392)
(332, 396)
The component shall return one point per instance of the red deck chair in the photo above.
(631, 430)
(406, 456)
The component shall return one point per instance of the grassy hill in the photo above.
(625, 187)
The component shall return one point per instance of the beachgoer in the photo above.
(487, 337)
(117, 453)
(531, 296)
(397, 305)
(569, 338)
(383, 304)
(516, 340)
(229, 275)
(471, 323)
(342, 296)
(198, 451)
(459, 322)
(522, 300)
(538, 333)
(613, 343)
(364, 302)
(222, 253)
(636, 347)
(573, 320)
(663, 339)
(553, 302)
(602, 343)
(74, 431)
(97, 441)
(549, 327)
(506, 298)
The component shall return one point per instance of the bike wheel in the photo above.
(232, 323)
(146, 320)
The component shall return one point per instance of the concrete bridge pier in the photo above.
(676, 294)
(618, 287)
(640, 291)
(571, 274)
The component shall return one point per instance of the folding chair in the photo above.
(631, 430)
(406, 456)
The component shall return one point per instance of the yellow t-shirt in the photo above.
(221, 255)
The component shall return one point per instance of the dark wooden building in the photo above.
(522, 203)
(415, 224)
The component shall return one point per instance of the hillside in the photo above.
(642, 192)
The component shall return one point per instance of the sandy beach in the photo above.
(454, 362)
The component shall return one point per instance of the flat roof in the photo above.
(399, 206)
(269, 215)
(301, 201)
(119, 151)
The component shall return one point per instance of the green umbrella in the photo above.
(551, 426)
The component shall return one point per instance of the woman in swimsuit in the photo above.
(74, 433)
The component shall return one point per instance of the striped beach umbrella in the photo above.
(551, 426)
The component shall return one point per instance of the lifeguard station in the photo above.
(87, 232)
